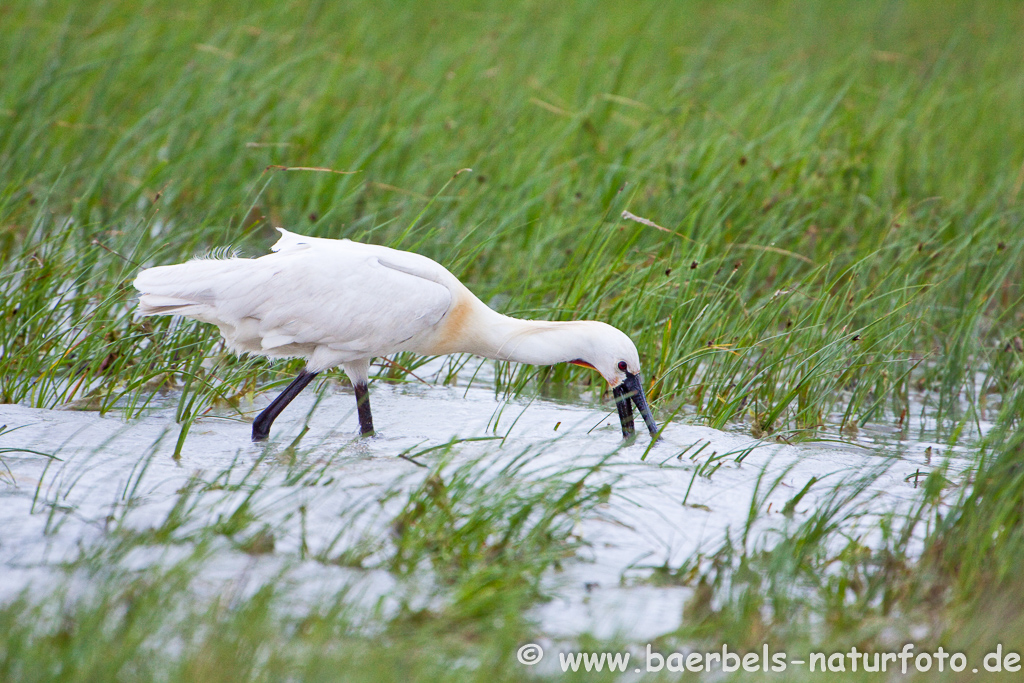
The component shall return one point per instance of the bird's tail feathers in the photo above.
(154, 304)
(184, 288)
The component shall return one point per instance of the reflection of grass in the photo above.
(839, 188)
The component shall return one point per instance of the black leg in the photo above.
(261, 425)
(363, 404)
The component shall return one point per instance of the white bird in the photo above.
(338, 302)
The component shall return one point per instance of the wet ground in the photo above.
(114, 472)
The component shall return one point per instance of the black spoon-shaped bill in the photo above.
(627, 394)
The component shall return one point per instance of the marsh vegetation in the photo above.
(806, 215)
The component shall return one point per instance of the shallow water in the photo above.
(52, 511)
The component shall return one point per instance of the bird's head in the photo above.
(613, 354)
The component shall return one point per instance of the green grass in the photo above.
(838, 187)
(842, 201)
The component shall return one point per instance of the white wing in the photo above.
(337, 299)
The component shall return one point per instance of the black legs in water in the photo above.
(261, 425)
(363, 404)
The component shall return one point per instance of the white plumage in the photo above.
(338, 302)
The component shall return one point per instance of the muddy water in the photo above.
(52, 510)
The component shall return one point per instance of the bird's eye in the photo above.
(622, 365)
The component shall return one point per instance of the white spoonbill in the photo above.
(338, 302)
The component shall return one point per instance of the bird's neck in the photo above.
(535, 342)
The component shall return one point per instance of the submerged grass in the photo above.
(807, 215)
